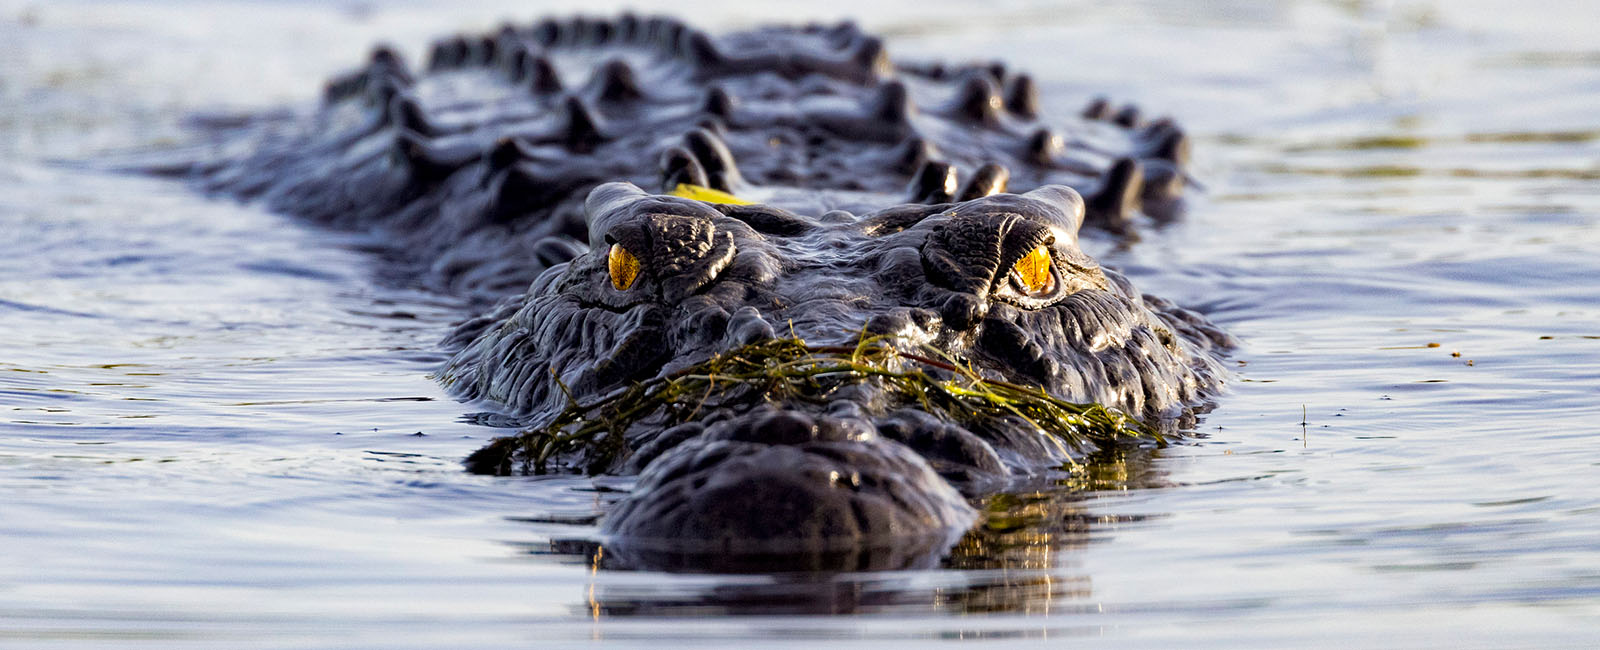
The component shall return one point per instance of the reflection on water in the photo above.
(216, 428)
(1017, 559)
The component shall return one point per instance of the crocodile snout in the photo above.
(784, 481)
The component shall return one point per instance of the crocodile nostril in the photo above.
(963, 310)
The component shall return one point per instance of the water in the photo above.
(211, 414)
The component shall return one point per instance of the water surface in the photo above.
(217, 428)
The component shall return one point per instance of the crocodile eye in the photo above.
(1033, 272)
(624, 267)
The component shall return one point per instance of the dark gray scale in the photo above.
(1164, 140)
(580, 129)
(540, 76)
(1022, 97)
(449, 54)
(1099, 108)
(427, 164)
(406, 114)
(615, 83)
(545, 32)
(597, 32)
(977, 101)
(697, 49)
(666, 34)
(892, 105)
(518, 190)
(679, 166)
(515, 59)
(1113, 203)
(712, 152)
(718, 102)
(628, 28)
(1162, 196)
(988, 180)
(506, 152)
(912, 154)
(1128, 117)
(1043, 147)
(379, 93)
(936, 182)
(386, 69)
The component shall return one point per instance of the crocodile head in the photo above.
(994, 288)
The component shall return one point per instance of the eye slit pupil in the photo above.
(1033, 272)
(624, 267)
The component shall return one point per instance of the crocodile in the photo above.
(864, 230)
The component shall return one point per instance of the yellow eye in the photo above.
(624, 267)
(1034, 272)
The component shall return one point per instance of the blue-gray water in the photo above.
(209, 414)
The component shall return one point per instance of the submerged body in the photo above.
(853, 227)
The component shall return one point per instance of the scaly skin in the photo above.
(514, 165)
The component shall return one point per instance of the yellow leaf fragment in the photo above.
(706, 194)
